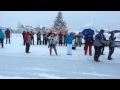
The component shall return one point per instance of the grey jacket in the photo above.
(53, 40)
(112, 41)
(60, 36)
(44, 36)
(97, 42)
(79, 37)
(29, 39)
(38, 35)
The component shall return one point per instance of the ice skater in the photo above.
(53, 42)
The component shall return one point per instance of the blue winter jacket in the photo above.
(69, 39)
(98, 36)
(2, 34)
(97, 41)
(89, 39)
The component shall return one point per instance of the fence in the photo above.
(117, 43)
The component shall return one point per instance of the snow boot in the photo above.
(50, 52)
(110, 58)
(56, 52)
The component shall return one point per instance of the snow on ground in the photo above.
(16, 64)
(15, 77)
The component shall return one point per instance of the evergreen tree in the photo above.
(59, 24)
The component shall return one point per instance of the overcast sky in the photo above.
(74, 19)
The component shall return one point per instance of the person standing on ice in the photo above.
(45, 38)
(23, 37)
(103, 45)
(65, 36)
(88, 43)
(111, 45)
(49, 34)
(79, 39)
(28, 41)
(38, 37)
(60, 38)
(53, 42)
(97, 45)
(69, 40)
(7, 33)
(2, 36)
(32, 37)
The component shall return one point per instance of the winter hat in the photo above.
(71, 33)
(101, 31)
(112, 33)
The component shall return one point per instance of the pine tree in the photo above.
(59, 24)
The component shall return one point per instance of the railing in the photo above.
(117, 43)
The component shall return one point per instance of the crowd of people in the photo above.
(70, 40)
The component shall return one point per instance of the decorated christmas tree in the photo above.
(59, 24)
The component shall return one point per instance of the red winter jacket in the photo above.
(26, 36)
(7, 33)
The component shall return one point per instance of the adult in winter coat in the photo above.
(97, 45)
(111, 45)
(32, 37)
(69, 40)
(2, 36)
(49, 34)
(79, 39)
(60, 39)
(53, 42)
(28, 41)
(45, 38)
(23, 37)
(103, 45)
(7, 33)
(88, 43)
(38, 37)
(65, 36)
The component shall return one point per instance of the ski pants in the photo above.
(90, 48)
(7, 38)
(69, 48)
(27, 47)
(1, 41)
(97, 52)
(111, 51)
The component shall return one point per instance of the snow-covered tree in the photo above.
(59, 24)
